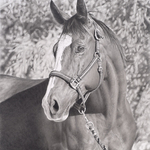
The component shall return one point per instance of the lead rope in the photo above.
(90, 126)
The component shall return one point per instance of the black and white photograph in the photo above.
(74, 74)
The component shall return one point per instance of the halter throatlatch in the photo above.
(75, 84)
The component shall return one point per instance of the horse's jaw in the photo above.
(61, 119)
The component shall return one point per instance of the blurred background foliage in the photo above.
(28, 32)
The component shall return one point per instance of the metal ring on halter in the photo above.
(97, 37)
(74, 84)
(82, 108)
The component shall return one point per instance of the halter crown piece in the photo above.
(75, 84)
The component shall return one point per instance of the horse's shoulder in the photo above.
(10, 85)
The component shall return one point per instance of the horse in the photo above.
(89, 70)
(82, 105)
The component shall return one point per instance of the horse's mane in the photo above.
(74, 25)
(112, 38)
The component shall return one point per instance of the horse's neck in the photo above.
(10, 86)
(115, 54)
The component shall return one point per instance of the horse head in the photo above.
(79, 63)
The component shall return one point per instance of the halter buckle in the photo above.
(97, 54)
(74, 83)
(100, 69)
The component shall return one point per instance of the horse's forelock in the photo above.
(74, 25)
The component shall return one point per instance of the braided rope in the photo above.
(90, 126)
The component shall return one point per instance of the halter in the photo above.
(75, 82)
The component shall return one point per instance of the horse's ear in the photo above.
(81, 10)
(56, 13)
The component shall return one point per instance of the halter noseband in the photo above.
(75, 82)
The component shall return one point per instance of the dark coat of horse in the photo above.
(24, 125)
(21, 120)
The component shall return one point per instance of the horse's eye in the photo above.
(80, 49)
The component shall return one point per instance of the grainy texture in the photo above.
(28, 32)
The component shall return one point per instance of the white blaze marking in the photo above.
(65, 41)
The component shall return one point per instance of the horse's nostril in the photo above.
(55, 106)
